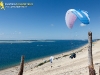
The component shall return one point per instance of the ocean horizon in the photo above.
(11, 51)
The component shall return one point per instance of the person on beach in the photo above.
(73, 55)
(51, 59)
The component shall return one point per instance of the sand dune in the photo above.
(62, 64)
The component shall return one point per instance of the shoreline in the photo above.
(32, 60)
(55, 55)
(33, 64)
(67, 53)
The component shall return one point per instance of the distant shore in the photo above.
(24, 41)
(43, 66)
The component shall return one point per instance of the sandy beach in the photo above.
(62, 64)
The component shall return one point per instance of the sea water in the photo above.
(10, 52)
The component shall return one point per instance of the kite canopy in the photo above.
(72, 15)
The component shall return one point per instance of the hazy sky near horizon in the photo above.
(46, 20)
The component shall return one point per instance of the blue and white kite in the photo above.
(72, 15)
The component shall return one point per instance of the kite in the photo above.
(72, 15)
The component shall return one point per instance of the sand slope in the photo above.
(63, 65)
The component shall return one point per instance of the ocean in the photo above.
(11, 51)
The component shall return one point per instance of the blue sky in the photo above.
(46, 20)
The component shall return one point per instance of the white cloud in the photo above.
(15, 33)
(1, 33)
(52, 24)
(19, 33)
(82, 25)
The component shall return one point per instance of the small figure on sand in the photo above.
(51, 59)
(73, 55)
